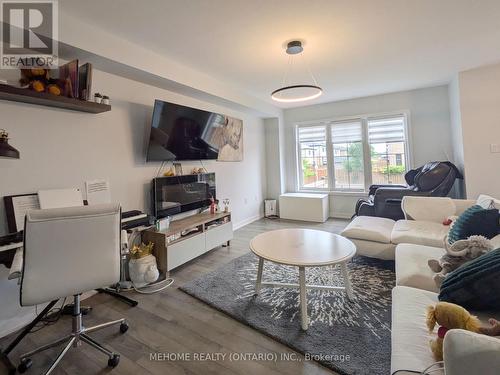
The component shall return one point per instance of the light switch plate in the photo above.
(494, 148)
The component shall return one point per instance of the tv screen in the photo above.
(183, 133)
(173, 195)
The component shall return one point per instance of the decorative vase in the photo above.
(143, 271)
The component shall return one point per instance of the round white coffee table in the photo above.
(303, 248)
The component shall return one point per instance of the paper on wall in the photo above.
(97, 192)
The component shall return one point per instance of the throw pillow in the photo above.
(475, 285)
(474, 221)
(485, 201)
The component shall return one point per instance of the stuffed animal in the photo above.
(493, 329)
(457, 254)
(448, 316)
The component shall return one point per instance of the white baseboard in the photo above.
(247, 221)
(341, 215)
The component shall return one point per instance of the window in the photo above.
(386, 137)
(348, 161)
(313, 159)
(350, 155)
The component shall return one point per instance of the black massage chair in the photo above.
(434, 179)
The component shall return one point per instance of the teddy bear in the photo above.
(457, 254)
(449, 316)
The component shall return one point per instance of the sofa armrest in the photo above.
(435, 209)
(466, 352)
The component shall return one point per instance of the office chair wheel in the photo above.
(25, 365)
(123, 327)
(113, 362)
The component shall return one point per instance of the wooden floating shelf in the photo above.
(16, 94)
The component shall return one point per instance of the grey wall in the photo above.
(429, 125)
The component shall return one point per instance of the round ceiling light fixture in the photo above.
(289, 93)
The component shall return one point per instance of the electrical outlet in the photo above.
(494, 148)
(245, 200)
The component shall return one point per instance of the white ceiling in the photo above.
(354, 48)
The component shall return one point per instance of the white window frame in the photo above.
(366, 150)
(298, 158)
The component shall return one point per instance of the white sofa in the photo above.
(423, 225)
(465, 353)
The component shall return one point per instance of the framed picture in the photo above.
(229, 139)
(178, 169)
(16, 207)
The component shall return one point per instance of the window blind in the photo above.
(312, 134)
(389, 129)
(346, 132)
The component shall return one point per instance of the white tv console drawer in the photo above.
(182, 250)
(185, 250)
(219, 235)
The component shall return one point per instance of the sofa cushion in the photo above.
(369, 228)
(425, 233)
(374, 249)
(476, 284)
(474, 221)
(412, 268)
(410, 336)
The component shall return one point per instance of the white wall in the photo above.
(429, 124)
(479, 91)
(63, 149)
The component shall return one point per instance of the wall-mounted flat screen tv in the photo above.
(184, 133)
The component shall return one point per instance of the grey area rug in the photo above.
(349, 337)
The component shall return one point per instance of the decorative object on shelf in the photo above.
(105, 99)
(178, 169)
(85, 81)
(217, 207)
(225, 202)
(97, 98)
(197, 170)
(68, 75)
(212, 205)
(6, 150)
(291, 93)
(169, 173)
(163, 224)
(39, 80)
(142, 266)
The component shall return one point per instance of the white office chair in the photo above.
(68, 251)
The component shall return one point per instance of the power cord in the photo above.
(144, 290)
(51, 318)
